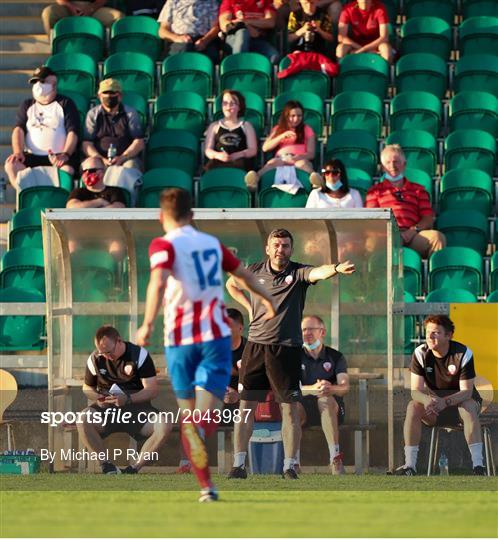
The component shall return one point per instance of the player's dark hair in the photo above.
(440, 320)
(280, 233)
(107, 331)
(176, 202)
(240, 99)
(236, 315)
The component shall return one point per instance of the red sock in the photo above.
(209, 426)
(195, 449)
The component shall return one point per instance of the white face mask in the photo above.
(41, 89)
(312, 346)
(387, 176)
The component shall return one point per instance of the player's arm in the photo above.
(248, 281)
(465, 393)
(327, 271)
(154, 299)
(342, 386)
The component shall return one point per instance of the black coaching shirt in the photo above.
(443, 375)
(288, 288)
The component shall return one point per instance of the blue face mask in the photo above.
(387, 176)
(312, 346)
(334, 187)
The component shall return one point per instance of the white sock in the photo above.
(476, 453)
(411, 453)
(239, 459)
(289, 463)
(297, 459)
(333, 451)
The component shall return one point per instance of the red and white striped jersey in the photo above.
(194, 310)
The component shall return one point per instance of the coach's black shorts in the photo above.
(310, 404)
(274, 367)
(133, 426)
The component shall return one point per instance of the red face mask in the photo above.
(91, 179)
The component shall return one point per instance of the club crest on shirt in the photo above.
(452, 369)
(327, 366)
(288, 279)
(103, 371)
(128, 369)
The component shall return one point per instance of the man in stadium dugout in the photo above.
(121, 376)
(443, 392)
(363, 27)
(247, 26)
(113, 122)
(46, 130)
(324, 381)
(409, 202)
(191, 26)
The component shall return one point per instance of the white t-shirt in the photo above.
(319, 199)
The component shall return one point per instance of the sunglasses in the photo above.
(331, 171)
(91, 171)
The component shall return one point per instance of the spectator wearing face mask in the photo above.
(46, 130)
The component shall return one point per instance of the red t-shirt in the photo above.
(364, 25)
(252, 9)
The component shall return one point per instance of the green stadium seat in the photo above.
(359, 180)
(173, 148)
(477, 72)
(464, 229)
(478, 8)
(420, 149)
(421, 177)
(188, 71)
(23, 267)
(354, 148)
(422, 72)
(410, 325)
(313, 108)
(76, 72)
(93, 272)
(478, 35)
(416, 110)
(365, 71)
(21, 332)
(426, 35)
(470, 148)
(26, 229)
(412, 271)
(156, 180)
(224, 188)
(139, 103)
(136, 34)
(79, 35)
(357, 110)
(270, 197)
(492, 298)
(42, 197)
(135, 71)
(493, 273)
(180, 110)
(303, 81)
(456, 268)
(255, 111)
(246, 71)
(466, 189)
(443, 9)
(454, 296)
(82, 104)
(474, 110)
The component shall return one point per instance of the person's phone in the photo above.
(103, 392)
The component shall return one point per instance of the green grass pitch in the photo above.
(153, 505)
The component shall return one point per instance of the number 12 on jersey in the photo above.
(207, 267)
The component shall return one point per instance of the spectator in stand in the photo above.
(294, 142)
(310, 29)
(231, 141)
(247, 26)
(46, 130)
(191, 26)
(69, 8)
(363, 27)
(95, 194)
(114, 123)
(335, 193)
(409, 202)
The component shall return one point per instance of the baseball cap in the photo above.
(110, 85)
(40, 74)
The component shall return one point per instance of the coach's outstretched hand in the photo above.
(345, 268)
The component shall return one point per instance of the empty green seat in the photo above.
(82, 104)
(246, 71)
(79, 35)
(270, 197)
(23, 267)
(359, 180)
(139, 103)
(357, 110)
(410, 325)
(454, 296)
(423, 72)
(474, 110)
(255, 111)
(180, 110)
(470, 148)
(365, 71)
(416, 110)
(135, 71)
(492, 298)
(478, 35)
(426, 35)
(173, 148)
(313, 108)
(304, 81)
(136, 34)
(156, 180)
(421, 177)
(21, 332)
(420, 148)
(224, 188)
(26, 229)
(443, 9)
(93, 273)
(354, 148)
(189, 71)
(42, 197)
(76, 72)
(456, 268)
(477, 8)
(466, 189)
(412, 271)
(464, 229)
(477, 72)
